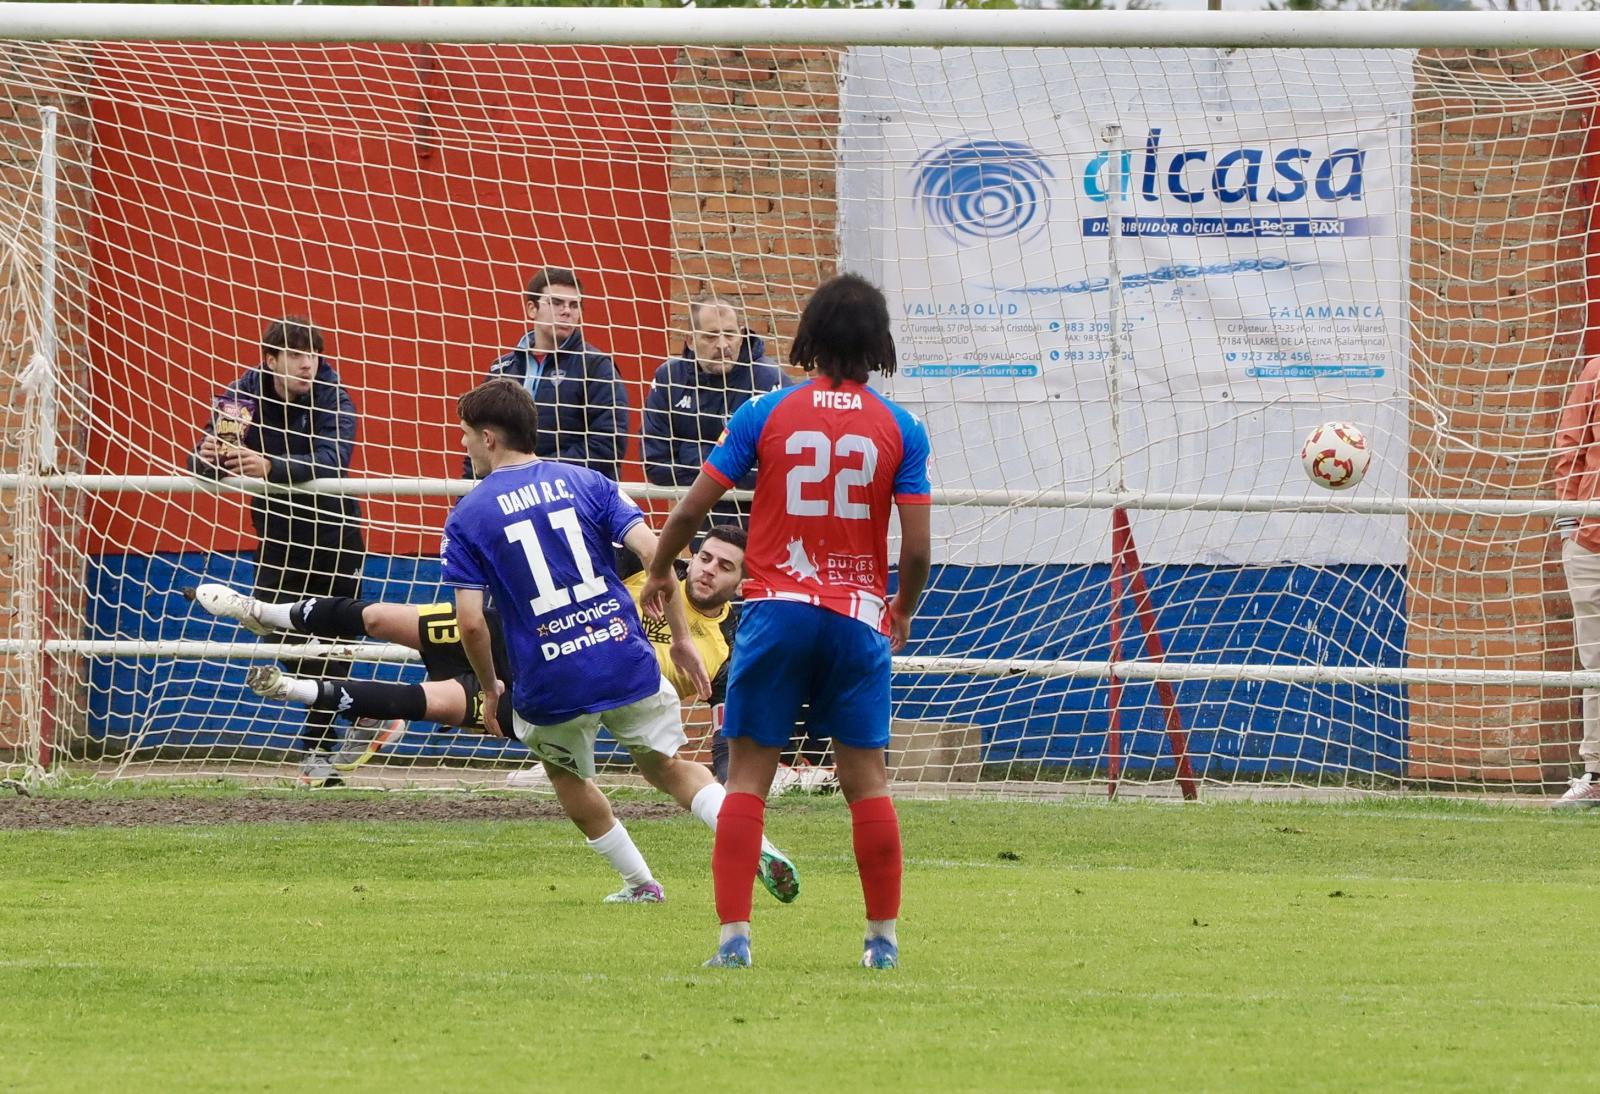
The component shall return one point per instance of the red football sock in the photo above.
(876, 832)
(736, 854)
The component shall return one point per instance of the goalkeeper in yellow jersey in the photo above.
(711, 580)
(451, 695)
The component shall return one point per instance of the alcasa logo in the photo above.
(982, 189)
(1193, 175)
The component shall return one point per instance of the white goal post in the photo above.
(762, 28)
(1133, 257)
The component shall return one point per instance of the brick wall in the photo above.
(754, 167)
(1499, 212)
(1500, 206)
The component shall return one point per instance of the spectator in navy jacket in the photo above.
(694, 394)
(582, 404)
(289, 420)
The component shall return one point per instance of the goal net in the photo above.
(1126, 284)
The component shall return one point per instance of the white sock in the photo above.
(617, 848)
(734, 930)
(882, 928)
(707, 804)
(300, 689)
(275, 616)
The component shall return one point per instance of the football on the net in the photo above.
(1336, 455)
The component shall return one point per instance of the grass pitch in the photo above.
(1389, 945)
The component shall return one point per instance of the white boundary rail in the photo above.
(1326, 502)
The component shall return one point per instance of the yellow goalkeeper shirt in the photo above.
(708, 632)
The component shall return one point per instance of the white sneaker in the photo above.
(228, 603)
(268, 681)
(529, 778)
(815, 779)
(783, 780)
(1582, 791)
(316, 771)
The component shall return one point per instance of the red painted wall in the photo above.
(400, 196)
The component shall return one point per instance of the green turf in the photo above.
(1392, 945)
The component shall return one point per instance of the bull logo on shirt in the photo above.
(799, 565)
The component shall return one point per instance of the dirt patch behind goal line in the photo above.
(44, 812)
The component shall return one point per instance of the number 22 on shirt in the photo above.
(845, 478)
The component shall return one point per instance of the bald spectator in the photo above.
(722, 367)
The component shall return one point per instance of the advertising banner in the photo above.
(1159, 269)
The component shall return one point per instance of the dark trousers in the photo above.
(284, 575)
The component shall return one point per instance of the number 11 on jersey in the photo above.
(551, 596)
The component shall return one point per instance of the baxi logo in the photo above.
(976, 190)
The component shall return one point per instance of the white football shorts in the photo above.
(652, 724)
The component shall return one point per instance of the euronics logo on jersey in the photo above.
(1264, 189)
(977, 190)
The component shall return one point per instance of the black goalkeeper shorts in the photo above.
(444, 658)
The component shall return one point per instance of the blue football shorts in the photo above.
(787, 654)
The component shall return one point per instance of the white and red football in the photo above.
(1336, 455)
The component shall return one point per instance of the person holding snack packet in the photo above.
(289, 420)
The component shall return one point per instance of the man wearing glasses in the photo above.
(583, 406)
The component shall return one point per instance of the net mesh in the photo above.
(1147, 271)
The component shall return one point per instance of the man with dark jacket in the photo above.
(582, 403)
(290, 420)
(693, 395)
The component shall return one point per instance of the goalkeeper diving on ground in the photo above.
(451, 695)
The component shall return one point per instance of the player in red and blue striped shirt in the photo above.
(818, 626)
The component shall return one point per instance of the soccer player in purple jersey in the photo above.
(818, 626)
(537, 536)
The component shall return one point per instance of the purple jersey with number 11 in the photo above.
(538, 538)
